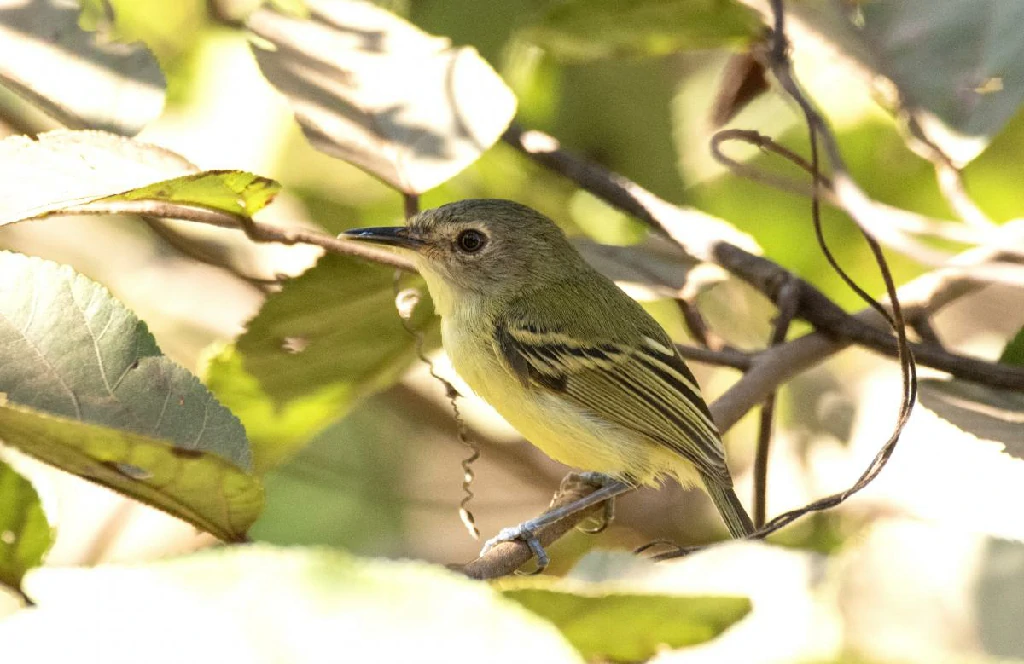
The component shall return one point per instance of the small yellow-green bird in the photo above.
(567, 358)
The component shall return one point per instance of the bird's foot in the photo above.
(608, 488)
(598, 481)
(526, 533)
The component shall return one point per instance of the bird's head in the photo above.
(483, 247)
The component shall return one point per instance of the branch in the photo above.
(710, 239)
(256, 231)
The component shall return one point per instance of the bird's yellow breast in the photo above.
(560, 428)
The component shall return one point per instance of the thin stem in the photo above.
(788, 299)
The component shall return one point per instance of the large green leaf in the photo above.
(591, 29)
(25, 534)
(606, 623)
(203, 489)
(330, 337)
(257, 605)
(70, 349)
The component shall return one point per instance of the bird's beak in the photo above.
(396, 236)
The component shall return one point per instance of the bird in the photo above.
(570, 361)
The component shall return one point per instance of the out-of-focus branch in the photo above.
(780, 328)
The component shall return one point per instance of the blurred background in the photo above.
(925, 565)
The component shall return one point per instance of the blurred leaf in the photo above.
(978, 409)
(330, 337)
(25, 534)
(233, 191)
(998, 587)
(70, 349)
(654, 269)
(260, 605)
(64, 168)
(370, 88)
(82, 81)
(580, 30)
(619, 625)
(958, 65)
(200, 488)
(1014, 351)
(959, 60)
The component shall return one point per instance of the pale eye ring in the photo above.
(471, 240)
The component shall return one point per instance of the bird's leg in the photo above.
(609, 488)
(599, 481)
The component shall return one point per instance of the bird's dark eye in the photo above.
(471, 241)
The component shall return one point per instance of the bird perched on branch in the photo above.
(568, 359)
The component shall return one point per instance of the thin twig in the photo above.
(255, 230)
(787, 305)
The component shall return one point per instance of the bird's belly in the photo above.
(560, 428)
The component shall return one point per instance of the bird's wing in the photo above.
(643, 386)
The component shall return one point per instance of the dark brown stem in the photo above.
(787, 305)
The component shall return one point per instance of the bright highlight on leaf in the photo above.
(79, 78)
(980, 410)
(374, 90)
(618, 625)
(260, 605)
(25, 534)
(65, 168)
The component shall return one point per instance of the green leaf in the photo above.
(263, 604)
(330, 337)
(87, 390)
(581, 30)
(1014, 351)
(68, 348)
(233, 191)
(25, 534)
(208, 492)
(604, 623)
(370, 88)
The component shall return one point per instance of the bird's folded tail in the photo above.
(728, 504)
